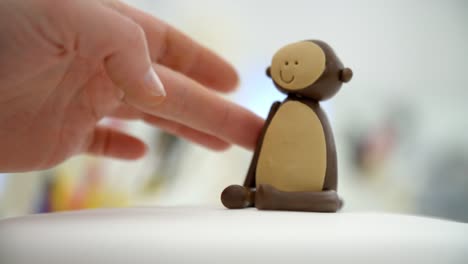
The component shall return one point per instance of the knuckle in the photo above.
(179, 108)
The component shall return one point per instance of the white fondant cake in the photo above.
(202, 235)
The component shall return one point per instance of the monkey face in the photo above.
(308, 68)
(298, 65)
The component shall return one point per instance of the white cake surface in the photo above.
(217, 235)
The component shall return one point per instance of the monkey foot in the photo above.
(237, 197)
(269, 198)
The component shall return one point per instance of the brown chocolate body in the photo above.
(284, 173)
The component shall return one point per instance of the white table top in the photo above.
(216, 235)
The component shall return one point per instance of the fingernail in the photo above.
(153, 82)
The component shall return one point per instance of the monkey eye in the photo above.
(286, 63)
(296, 62)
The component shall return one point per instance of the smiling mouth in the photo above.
(289, 81)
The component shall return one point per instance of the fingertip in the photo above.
(214, 71)
(111, 143)
(135, 157)
(130, 149)
(252, 127)
(145, 150)
(231, 80)
(220, 146)
(225, 81)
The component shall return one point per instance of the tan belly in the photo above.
(293, 153)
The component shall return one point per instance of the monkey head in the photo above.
(309, 69)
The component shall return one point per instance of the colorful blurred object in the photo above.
(68, 189)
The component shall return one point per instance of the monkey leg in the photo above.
(269, 198)
(238, 197)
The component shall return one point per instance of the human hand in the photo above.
(65, 65)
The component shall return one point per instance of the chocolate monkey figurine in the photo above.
(294, 164)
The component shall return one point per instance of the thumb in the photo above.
(129, 67)
(122, 44)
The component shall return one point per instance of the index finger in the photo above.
(170, 47)
(203, 110)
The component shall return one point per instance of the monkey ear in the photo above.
(268, 72)
(346, 75)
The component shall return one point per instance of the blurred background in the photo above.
(400, 124)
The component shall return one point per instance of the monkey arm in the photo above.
(250, 178)
(331, 177)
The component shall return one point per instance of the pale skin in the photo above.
(65, 65)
